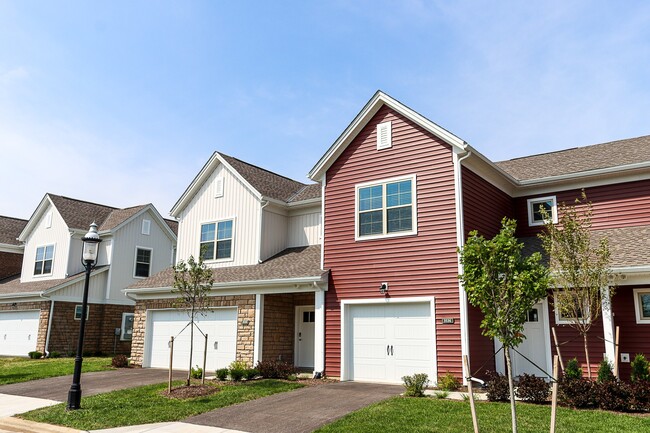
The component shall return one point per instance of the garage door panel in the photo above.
(18, 332)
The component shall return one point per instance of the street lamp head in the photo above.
(91, 242)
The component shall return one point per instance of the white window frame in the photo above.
(122, 329)
(42, 274)
(560, 320)
(135, 261)
(385, 234)
(216, 228)
(146, 227)
(640, 320)
(531, 201)
(77, 311)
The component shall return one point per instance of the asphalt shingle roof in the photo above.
(290, 263)
(10, 229)
(12, 285)
(579, 159)
(270, 184)
(79, 214)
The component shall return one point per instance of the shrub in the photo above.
(497, 387)
(640, 369)
(196, 373)
(251, 373)
(605, 373)
(573, 370)
(54, 354)
(448, 382)
(275, 369)
(441, 394)
(575, 392)
(612, 395)
(35, 354)
(415, 384)
(120, 361)
(222, 373)
(238, 370)
(533, 389)
(640, 399)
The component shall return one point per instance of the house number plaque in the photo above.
(448, 320)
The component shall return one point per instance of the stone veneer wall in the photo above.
(100, 329)
(10, 264)
(279, 324)
(44, 308)
(245, 334)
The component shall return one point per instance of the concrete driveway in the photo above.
(299, 411)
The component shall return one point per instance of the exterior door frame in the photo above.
(299, 309)
(500, 361)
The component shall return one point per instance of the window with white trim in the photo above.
(146, 227)
(535, 206)
(126, 333)
(216, 240)
(44, 260)
(563, 319)
(77, 311)
(142, 267)
(642, 305)
(386, 208)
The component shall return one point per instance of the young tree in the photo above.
(505, 286)
(192, 281)
(580, 267)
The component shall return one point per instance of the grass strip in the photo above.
(16, 370)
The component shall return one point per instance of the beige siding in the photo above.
(274, 231)
(74, 292)
(125, 241)
(76, 246)
(304, 229)
(237, 203)
(58, 235)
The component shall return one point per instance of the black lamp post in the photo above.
(89, 260)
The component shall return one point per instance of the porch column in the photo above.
(319, 331)
(259, 332)
(608, 324)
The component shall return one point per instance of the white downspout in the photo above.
(460, 241)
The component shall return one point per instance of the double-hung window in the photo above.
(44, 260)
(216, 240)
(142, 263)
(386, 208)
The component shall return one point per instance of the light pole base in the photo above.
(74, 399)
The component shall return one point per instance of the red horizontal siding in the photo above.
(619, 205)
(633, 338)
(418, 265)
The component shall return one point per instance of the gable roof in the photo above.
(262, 183)
(10, 287)
(378, 100)
(619, 153)
(10, 229)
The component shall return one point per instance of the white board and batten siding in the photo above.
(210, 204)
(96, 290)
(304, 228)
(274, 231)
(49, 230)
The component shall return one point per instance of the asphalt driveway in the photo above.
(56, 388)
(299, 411)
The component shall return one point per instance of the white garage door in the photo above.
(388, 341)
(220, 325)
(18, 332)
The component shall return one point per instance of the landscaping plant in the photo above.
(196, 372)
(612, 395)
(504, 285)
(237, 370)
(640, 369)
(605, 373)
(251, 373)
(576, 392)
(573, 370)
(415, 384)
(448, 382)
(222, 373)
(275, 369)
(35, 354)
(496, 387)
(120, 361)
(533, 389)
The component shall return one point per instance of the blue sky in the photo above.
(122, 103)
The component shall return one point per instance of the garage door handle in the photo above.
(388, 350)
(216, 345)
(391, 350)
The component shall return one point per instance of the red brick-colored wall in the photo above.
(279, 324)
(10, 264)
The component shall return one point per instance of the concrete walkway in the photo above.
(299, 411)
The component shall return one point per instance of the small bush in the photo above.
(120, 361)
(497, 387)
(441, 394)
(612, 395)
(576, 393)
(448, 382)
(640, 370)
(222, 373)
(54, 354)
(35, 354)
(196, 372)
(640, 400)
(275, 369)
(573, 370)
(251, 373)
(605, 373)
(415, 384)
(533, 389)
(237, 370)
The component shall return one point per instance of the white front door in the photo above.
(533, 347)
(305, 320)
(389, 341)
(18, 332)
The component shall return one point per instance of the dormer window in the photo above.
(216, 240)
(538, 206)
(44, 260)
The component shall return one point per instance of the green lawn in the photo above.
(14, 370)
(410, 415)
(145, 405)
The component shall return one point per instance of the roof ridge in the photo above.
(14, 218)
(82, 201)
(261, 168)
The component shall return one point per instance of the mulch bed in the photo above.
(192, 391)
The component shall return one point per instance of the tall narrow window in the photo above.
(44, 259)
(216, 240)
(146, 227)
(386, 208)
(142, 263)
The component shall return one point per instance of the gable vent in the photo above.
(384, 139)
(218, 187)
